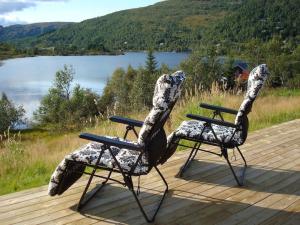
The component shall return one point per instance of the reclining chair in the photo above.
(217, 132)
(120, 155)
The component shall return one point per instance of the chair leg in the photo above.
(83, 200)
(189, 159)
(131, 188)
(240, 180)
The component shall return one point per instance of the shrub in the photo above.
(10, 115)
(66, 108)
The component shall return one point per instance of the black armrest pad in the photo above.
(218, 108)
(131, 122)
(110, 142)
(211, 121)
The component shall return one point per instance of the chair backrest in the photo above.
(256, 80)
(152, 135)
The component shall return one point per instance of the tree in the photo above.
(10, 115)
(65, 108)
(151, 63)
(203, 68)
(63, 80)
(115, 91)
(142, 90)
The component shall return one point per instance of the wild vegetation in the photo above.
(9, 51)
(282, 58)
(64, 108)
(167, 25)
(173, 25)
(18, 32)
(10, 114)
(11, 35)
(259, 19)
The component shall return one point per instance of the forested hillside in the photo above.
(261, 19)
(172, 25)
(167, 25)
(18, 32)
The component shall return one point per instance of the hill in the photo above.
(18, 32)
(261, 19)
(167, 25)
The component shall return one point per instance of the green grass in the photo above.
(28, 160)
(283, 92)
(25, 177)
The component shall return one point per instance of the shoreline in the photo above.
(84, 54)
(37, 55)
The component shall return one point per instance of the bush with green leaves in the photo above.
(202, 69)
(131, 89)
(10, 114)
(66, 108)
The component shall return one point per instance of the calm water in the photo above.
(27, 80)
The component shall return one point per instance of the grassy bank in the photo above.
(28, 159)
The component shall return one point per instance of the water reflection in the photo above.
(27, 80)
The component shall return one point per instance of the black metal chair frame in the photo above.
(127, 176)
(208, 122)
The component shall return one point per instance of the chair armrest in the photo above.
(211, 121)
(130, 122)
(218, 108)
(111, 142)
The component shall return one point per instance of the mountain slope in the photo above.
(168, 25)
(16, 32)
(260, 19)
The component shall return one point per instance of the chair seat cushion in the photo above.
(73, 165)
(127, 158)
(192, 129)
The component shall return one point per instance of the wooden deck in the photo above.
(207, 195)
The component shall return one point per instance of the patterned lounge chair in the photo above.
(120, 155)
(211, 131)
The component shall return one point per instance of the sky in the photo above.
(33, 11)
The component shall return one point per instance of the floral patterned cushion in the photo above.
(167, 90)
(256, 80)
(192, 129)
(89, 154)
(126, 158)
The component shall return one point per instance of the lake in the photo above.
(27, 80)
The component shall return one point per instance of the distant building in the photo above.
(238, 76)
(241, 71)
(241, 74)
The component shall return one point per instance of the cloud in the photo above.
(7, 6)
(4, 22)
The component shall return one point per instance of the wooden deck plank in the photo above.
(291, 216)
(236, 195)
(207, 194)
(221, 194)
